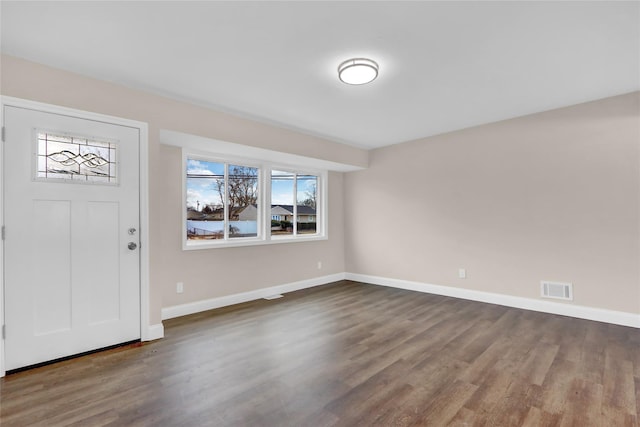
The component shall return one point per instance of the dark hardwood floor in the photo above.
(346, 354)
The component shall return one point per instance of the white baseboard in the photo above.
(209, 304)
(581, 312)
(154, 332)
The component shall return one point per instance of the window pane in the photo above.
(243, 201)
(307, 196)
(282, 203)
(75, 159)
(205, 200)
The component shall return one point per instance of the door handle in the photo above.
(132, 246)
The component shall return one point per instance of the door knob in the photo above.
(132, 246)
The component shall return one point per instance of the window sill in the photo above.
(190, 246)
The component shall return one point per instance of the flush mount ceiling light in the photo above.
(358, 71)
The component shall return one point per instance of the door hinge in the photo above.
(4, 332)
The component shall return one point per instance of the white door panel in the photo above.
(71, 283)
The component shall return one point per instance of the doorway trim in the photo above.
(147, 332)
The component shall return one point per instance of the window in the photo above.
(287, 187)
(75, 159)
(237, 202)
(222, 200)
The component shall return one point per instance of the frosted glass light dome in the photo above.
(358, 71)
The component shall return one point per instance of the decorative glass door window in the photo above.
(75, 158)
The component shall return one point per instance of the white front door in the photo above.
(71, 248)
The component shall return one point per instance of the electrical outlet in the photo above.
(179, 287)
(462, 273)
(319, 265)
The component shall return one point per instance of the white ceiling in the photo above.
(443, 65)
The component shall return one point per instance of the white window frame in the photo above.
(264, 202)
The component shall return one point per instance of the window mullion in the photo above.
(266, 201)
(226, 202)
(295, 204)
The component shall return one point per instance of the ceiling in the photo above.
(443, 65)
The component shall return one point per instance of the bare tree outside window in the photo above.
(306, 209)
(242, 189)
(310, 192)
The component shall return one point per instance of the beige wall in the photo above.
(205, 273)
(551, 196)
(225, 271)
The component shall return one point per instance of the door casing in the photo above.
(145, 327)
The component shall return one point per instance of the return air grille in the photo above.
(556, 290)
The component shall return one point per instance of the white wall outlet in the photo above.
(179, 287)
(462, 273)
(319, 265)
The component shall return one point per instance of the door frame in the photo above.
(147, 332)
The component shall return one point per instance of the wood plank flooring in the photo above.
(346, 354)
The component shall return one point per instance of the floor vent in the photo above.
(557, 290)
(273, 296)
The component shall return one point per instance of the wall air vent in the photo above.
(556, 290)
